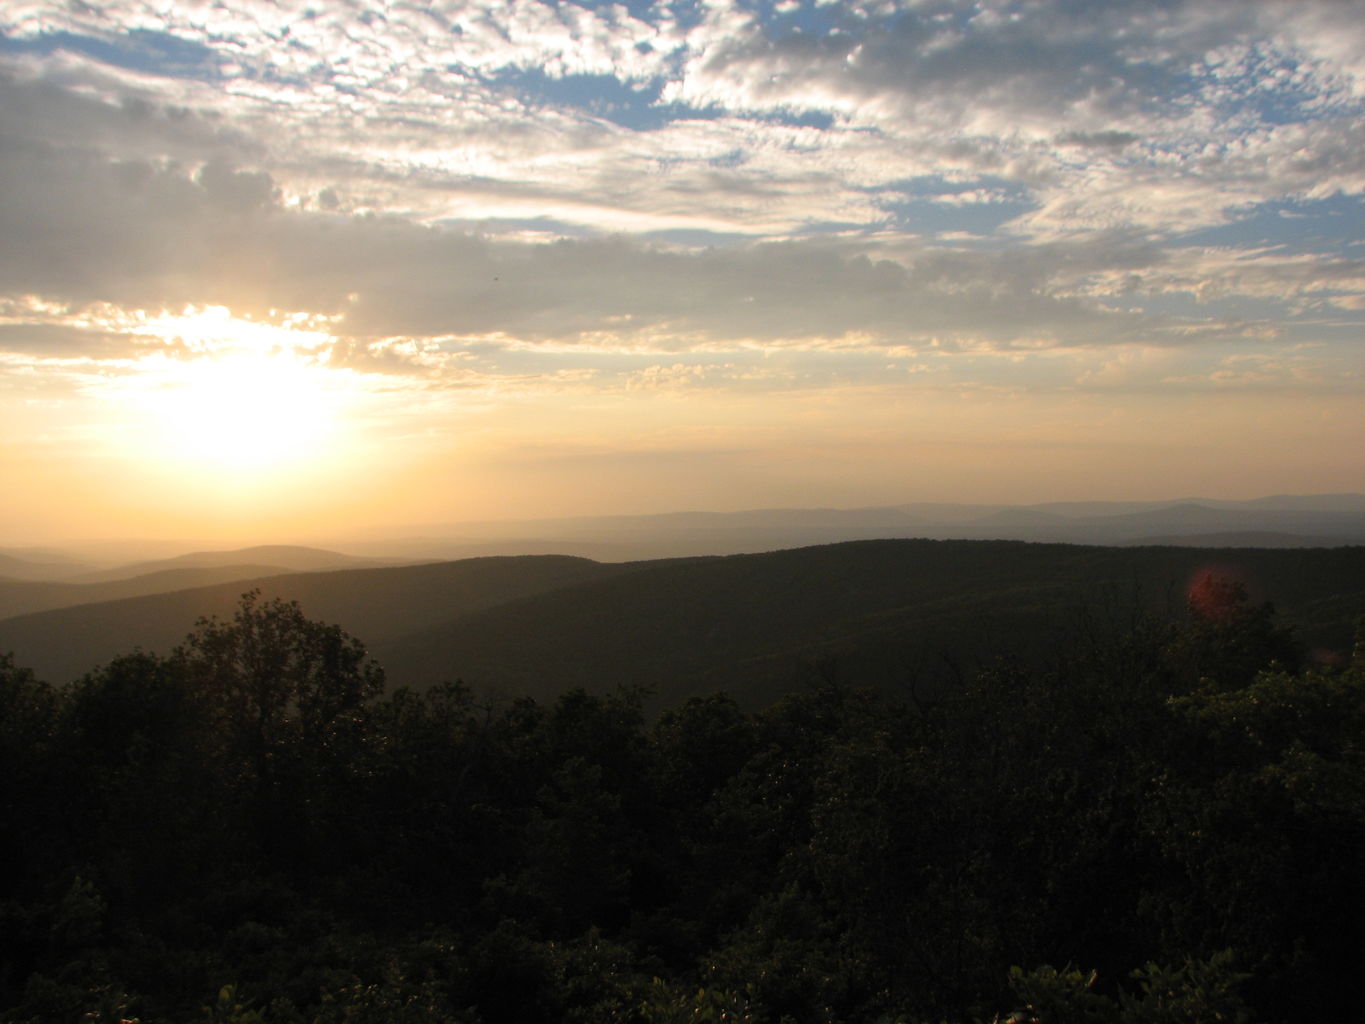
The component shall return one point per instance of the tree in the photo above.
(272, 673)
(288, 698)
(1227, 639)
(138, 767)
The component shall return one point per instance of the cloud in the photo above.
(1172, 113)
(1099, 139)
(65, 342)
(58, 108)
(395, 169)
(163, 236)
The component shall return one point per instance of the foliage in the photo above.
(271, 673)
(1197, 992)
(251, 831)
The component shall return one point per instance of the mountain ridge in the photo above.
(288, 557)
(881, 611)
(1336, 519)
(22, 597)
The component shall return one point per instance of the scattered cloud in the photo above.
(710, 196)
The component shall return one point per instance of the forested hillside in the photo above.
(24, 597)
(374, 603)
(1161, 824)
(892, 614)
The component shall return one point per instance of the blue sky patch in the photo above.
(630, 105)
(1303, 226)
(926, 205)
(157, 53)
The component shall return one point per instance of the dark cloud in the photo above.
(238, 192)
(1098, 140)
(60, 341)
(79, 228)
(1028, 56)
(61, 109)
(66, 341)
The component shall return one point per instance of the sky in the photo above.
(276, 268)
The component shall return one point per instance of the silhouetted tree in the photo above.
(288, 697)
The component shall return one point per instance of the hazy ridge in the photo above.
(64, 643)
(19, 597)
(690, 601)
(890, 613)
(1295, 520)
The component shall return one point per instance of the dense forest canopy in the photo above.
(1160, 824)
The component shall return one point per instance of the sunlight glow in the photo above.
(212, 328)
(251, 402)
(244, 411)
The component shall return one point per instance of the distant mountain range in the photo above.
(292, 558)
(18, 597)
(253, 561)
(1280, 521)
(912, 613)
(1325, 520)
(64, 643)
(24, 564)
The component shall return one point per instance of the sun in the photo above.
(246, 412)
(232, 399)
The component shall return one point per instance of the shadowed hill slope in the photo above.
(16, 567)
(370, 603)
(20, 597)
(287, 557)
(881, 612)
(888, 613)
